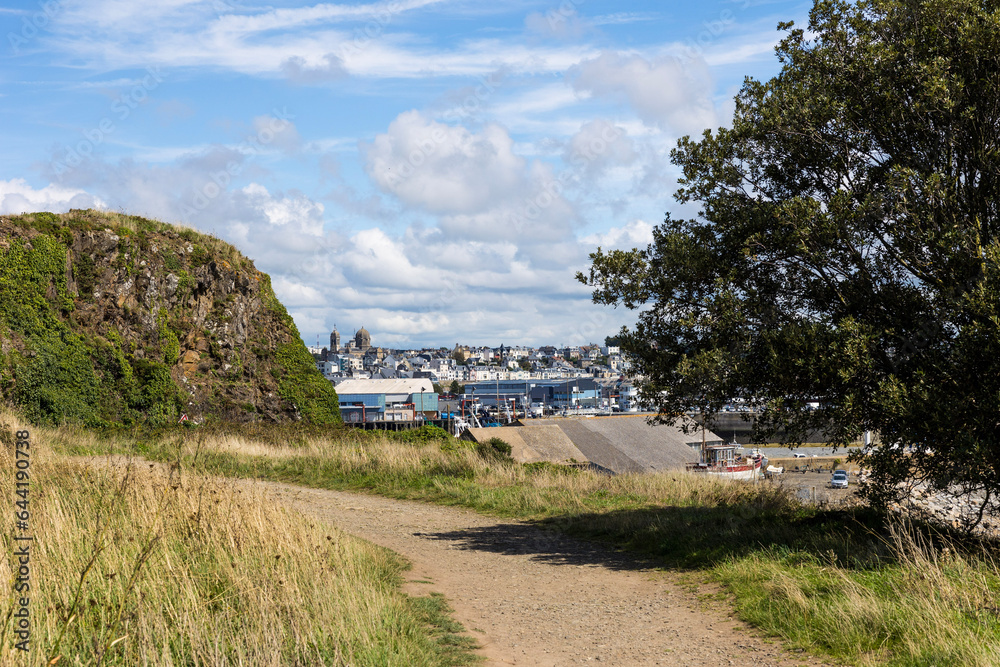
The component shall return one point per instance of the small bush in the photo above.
(85, 274)
(424, 434)
(494, 449)
(172, 262)
(199, 256)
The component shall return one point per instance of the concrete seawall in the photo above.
(739, 425)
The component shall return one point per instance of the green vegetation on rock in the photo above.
(103, 322)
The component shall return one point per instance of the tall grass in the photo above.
(931, 604)
(850, 583)
(155, 566)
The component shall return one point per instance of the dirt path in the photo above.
(534, 598)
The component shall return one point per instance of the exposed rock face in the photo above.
(148, 301)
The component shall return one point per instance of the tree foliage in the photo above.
(847, 249)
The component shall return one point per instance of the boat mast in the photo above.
(704, 451)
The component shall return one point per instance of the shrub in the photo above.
(424, 434)
(494, 449)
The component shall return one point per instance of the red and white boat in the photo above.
(722, 461)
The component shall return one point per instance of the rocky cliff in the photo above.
(113, 319)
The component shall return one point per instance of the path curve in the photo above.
(531, 597)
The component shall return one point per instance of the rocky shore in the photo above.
(949, 509)
(936, 507)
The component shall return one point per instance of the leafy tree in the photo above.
(455, 387)
(438, 389)
(847, 249)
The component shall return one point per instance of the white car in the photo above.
(798, 455)
(839, 479)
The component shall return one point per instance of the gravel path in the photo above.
(534, 598)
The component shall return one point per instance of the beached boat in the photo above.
(721, 460)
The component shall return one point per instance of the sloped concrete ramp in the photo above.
(529, 445)
(598, 448)
(658, 447)
(622, 444)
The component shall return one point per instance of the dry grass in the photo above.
(144, 566)
(843, 582)
(931, 602)
(362, 453)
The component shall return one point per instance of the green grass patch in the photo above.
(454, 647)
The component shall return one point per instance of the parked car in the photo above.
(798, 455)
(839, 479)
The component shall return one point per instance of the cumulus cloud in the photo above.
(16, 196)
(298, 70)
(293, 211)
(478, 186)
(599, 146)
(444, 169)
(668, 93)
(635, 234)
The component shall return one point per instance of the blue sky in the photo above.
(434, 170)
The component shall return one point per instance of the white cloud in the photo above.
(480, 189)
(671, 93)
(292, 212)
(635, 234)
(16, 196)
(598, 147)
(283, 19)
(299, 70)
(295, 294)
(543, 98)
(377, 260)
(562, 22)
(445, 169)
(306, 44)
(622, 18)
(280, 133)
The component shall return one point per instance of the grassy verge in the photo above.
(845, 583)
(166, 567)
